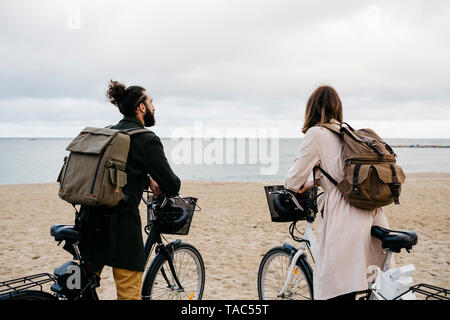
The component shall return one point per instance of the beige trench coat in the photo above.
(346, 248)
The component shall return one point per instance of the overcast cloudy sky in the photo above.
(229, 64)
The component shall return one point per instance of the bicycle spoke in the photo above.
(161, 295)
(187, 270)
(301, 295)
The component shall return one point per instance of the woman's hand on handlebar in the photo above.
(308, 185)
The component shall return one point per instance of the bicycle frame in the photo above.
(309, 242)
(154, 239)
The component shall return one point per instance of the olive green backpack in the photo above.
(372, 179)
(94, 172)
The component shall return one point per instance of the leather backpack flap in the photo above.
(367, 194)
(370, 186)
(390, 173)
(357, 147)
(354, 185)
(369, 143)
(354, 143)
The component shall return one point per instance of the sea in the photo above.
(39, 160)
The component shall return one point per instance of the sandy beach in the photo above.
(232, 232)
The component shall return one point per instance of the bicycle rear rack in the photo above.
(431, 292)
(10, 287)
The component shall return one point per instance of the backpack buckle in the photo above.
(376, 148)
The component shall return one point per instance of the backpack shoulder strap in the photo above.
(340, 133)
(132, 131)
(331, 127)
(327, 175)
(135, 131)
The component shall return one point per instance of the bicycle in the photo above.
(171, 256)
(285, 272)
(176, 271)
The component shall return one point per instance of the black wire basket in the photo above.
(187, 203)
(271, 193)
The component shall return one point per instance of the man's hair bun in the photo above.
(116, 92)
(126, 99)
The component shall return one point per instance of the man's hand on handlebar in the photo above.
(154, 188)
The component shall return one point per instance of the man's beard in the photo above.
(149, 119)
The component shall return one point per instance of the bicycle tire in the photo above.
(154, 276)
(303, 270)
(31, 295)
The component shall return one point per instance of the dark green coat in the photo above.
(146, 156)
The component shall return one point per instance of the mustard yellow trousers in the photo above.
(128, 282)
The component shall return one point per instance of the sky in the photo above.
(246, 64)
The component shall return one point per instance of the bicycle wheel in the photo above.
(31, 295)
(273, 272)
(159, 283)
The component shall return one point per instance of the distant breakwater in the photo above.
(420, 146)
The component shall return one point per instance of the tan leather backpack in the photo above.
(372, 177)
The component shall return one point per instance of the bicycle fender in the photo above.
(162, 250)
(290, 247)
(175, 243)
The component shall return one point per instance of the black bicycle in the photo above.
(177, 270)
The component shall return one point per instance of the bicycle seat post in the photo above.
(387, 259)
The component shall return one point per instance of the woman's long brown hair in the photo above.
(323, 105)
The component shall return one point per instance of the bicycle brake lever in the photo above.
(181, 198)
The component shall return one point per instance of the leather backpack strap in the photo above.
(340, 132)
(329, 178)
(327, 175)
(332, 128)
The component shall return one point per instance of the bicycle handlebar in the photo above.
(166, 199)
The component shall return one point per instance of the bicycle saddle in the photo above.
(395, 240)
(64, 232)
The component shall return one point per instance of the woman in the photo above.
(346, 247)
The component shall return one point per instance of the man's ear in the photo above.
(142, 107)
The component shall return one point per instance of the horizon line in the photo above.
(221, 137)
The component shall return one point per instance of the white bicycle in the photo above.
(285, 272)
